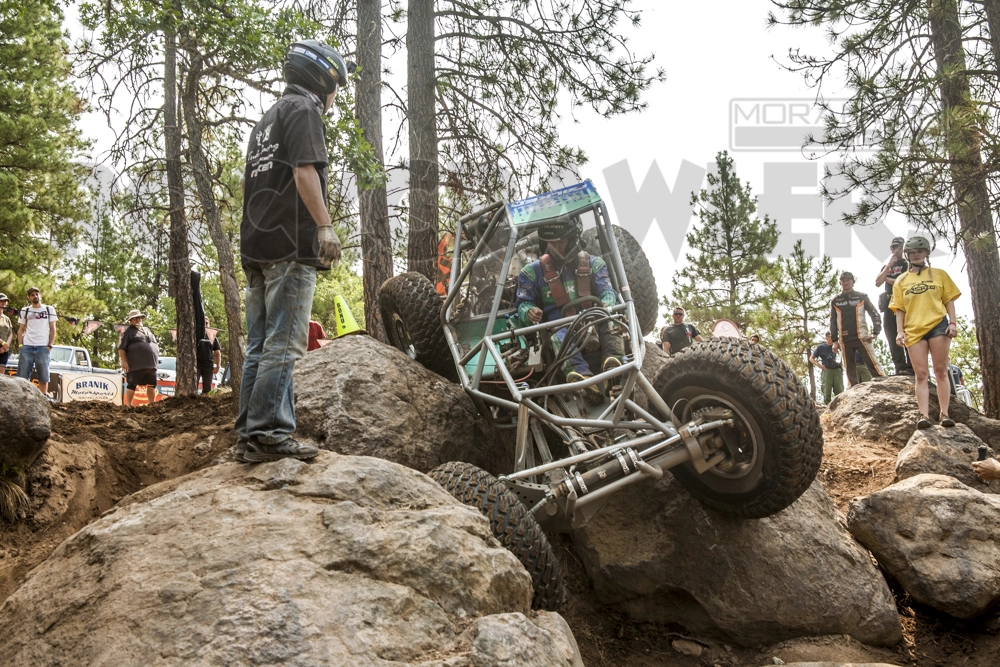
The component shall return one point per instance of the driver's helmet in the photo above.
(570, 229)
(316, 66)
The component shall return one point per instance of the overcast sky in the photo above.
(715, 54)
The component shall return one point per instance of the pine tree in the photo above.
(796, 307)
(726, 251)
(920, 80)
(41, 199)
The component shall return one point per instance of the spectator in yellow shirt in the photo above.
(924, 302)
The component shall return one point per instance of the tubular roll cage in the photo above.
(653, 445)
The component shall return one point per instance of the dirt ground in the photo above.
(99, 453)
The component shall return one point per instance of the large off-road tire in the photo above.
(512, 525)
(780, 439)
(637, 271)
(411, 314)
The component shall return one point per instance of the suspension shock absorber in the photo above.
(622, 463)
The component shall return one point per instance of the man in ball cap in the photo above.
(895, 266)
(849, 328)
(140, 356)
(36, 334)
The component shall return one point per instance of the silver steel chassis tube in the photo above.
(570, 460)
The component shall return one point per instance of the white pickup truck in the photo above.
(74, 378)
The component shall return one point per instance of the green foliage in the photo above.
(727, 250)
(340, 281)
(964, 353)
(795, 308)
(41, 199)
(504, 66)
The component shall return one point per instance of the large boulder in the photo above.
(939, 538)
(887, 408)
(944, 451)
(345, 561)
(26, 423)
(655, 553)
(358, 396)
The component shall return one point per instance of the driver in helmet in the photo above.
(565, 272)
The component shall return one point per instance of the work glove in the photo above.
(329, 245)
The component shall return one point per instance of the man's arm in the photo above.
(666, 346)
(20, 333)
(834, 329)
(814, 360)
(311, 192)
(52, 333)
(217, 358)
(124, 360)
(697, 334)
(876, 320)
(527, 298)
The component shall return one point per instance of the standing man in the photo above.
(36, 334)
(831, 379)
(285, 236)
(209, 357)
(850, 328)
(894, 267)
(675, 337)
(6, 332)
(140, 357)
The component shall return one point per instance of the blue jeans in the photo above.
(278, 303)
(33, 357)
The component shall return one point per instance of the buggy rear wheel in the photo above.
(411, 314)
(776, 443)
(638, 272)
(513, 526)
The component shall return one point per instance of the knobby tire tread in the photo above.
(418, 304)
(757, 376)
(512, 525)
(639, 273)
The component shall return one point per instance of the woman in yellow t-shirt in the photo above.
(924, 302)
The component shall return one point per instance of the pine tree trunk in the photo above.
(376, 245)
(993, 21)
(421, 251)
(180, 262)
(971, 193)
(206, 196)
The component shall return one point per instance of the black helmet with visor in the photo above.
(316, 67)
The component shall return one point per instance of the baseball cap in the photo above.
(897, 242)
(847, 275)
(3, 297)
(34, 289)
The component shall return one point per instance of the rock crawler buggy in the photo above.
(729, 420)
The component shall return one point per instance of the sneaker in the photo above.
(241, 449)
(291, 448)
(924, 423)
(947, 422)
(610, 363)
(592, 394)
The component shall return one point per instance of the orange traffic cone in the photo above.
(346, 324)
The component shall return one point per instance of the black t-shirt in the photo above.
(827, 356)
(679, 336)
(140, 348)
(276, 225)
(204, 351)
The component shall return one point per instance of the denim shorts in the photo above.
(940, 330)
(33, 357)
